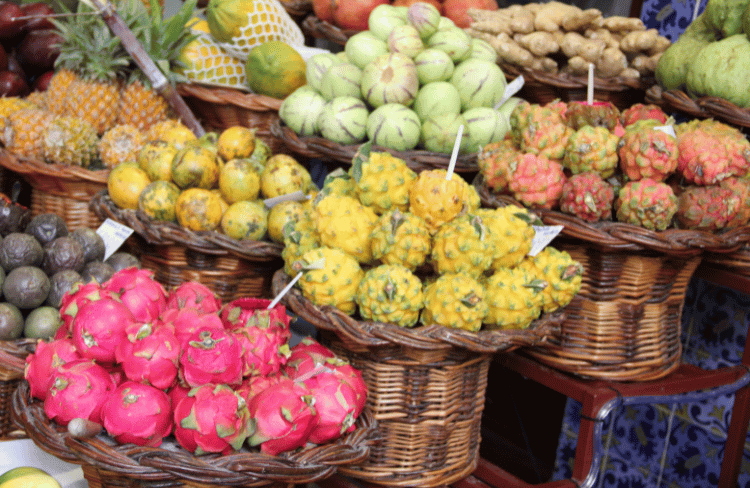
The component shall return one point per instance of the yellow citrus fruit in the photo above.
(155, 158)
(198, 209)
(239, 180)
(281, 214)
(236, 142)
(247, 219)
(178, 136)
(275, 69)
(195, 166)
(125, 183)
(283, 175)
(158, 200)
(224, 203)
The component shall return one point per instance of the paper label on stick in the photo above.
(543, 235)
(510, 89)
(114, 235)
(297, 196)
(667, 129)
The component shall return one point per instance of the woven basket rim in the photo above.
(242, 468)
(168, 233)
(297, 8)
(699, 107)
(320, 29)
(576, 82)
(431, 337)
(230, 96)
(619, 236)
(319, 147)
(13, 354)
(33, 168)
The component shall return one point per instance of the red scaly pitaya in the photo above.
(211, 356)
(138, 414)
(177, 392)
(587, 196)
(353, 376)
(193, 294)
(99, 327)
(254, 312)
(305, 357)
(77, 297)
(263, 352)
(185, 322)
(149, 355)
(140, 292)
(536, 181)
(282, 417)
(40, 365)
(116, 372)
(78, 389)
(640, 111)
(212, 418)
(336, 402)
(252, 385)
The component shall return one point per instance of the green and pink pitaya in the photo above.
(195, 295)
(98, 328)
(46, 358)
(707, 207)
(211, 356)
(592, 148)
(140, 292)
(587, 196)
(149, 355)
(536, 181)
(78, 389)
(647, 152)
(138, 414)
(640, 111)
(647, 203)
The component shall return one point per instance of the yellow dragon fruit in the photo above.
(455, 300)
(514, 298)
(436, 199)
(390, 293)
(382, 181)
(510, 233)
(330, 277)
(401, 238)
(462, 246)
(561, 272)
(345, 224)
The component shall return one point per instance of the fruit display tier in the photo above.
(64, 190)
(109, 464)
(220, 108)
(319, 147)
(426, 388)
(231, 268)
(624, 324)
(12, 361)
(677, 101)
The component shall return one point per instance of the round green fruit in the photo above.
(481, 49)
(394, 126)
(363, 47)
(438, 97)
(433, 65)
(317, 66)
(390, 78)
(439, 133)
(425, 18)
(383, 19)
(480, 83)
(300, 111)
(485, 125)
(341, 80)
(405, 40)
(343, 120)
(453, 41)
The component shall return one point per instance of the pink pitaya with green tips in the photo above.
(78, 389)
(263, 352)
(140, 292)
(186, 321)
(212, 418)
(46, 358)
(211, 356)
(149, 355)
(177, 392)
(252, 385)
(193, 294)
(305, 357)
(76, 298)
(353, 376)
(337, 403)
(98, 328)
(254, 312)
(282, 417)
(138, 414)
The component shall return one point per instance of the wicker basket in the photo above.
(702, 107)
(59, 189)
(319, 147)
(320, 29)
(220, 108)
(12, 361)
(426, 389)
(624, 324)
(229, 267)
(540, 87)
(107, 464)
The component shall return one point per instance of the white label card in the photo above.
(667, 129)
(510, 89)
(297, 196)
(114, 234)
(543, 235)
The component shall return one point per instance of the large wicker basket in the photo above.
(59, 189)
(231, 268)
(12, 361)
(107, 464)
(625, 323)
(426, 389)
(702, 107)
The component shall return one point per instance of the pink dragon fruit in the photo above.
(78, 389)
(253, 385)
(177, 392)
(211, 356)
(46, 358)
(185, 322)
(138, 414)
(149, 355)
(116, 372)
(140, 292)
(71, 303)
(353, 376)
(193, 294)
(98, 328)
(254, 312)
(263, 352)
(282, 417)
(337, 403)
(212, 418)
(305, 357)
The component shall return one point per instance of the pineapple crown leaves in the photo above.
(361, 157)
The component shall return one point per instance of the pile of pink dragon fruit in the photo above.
(145, 364)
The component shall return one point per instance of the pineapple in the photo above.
(455, 300)
(462, 246)
(22, 134)
(8, 105)
(514, 298)
(382, 180)
(401, 238)
(345, 224)
(561, 272)
(510, 234)
(330, 277)
(141, 107)
(119, 144)
(390, 293)
(71, 141)
(57, 90)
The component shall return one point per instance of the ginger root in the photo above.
(618, 23)
(580, 22)
(539, 43)
(551, 15)
(511, 52)
(639, 41)
(574, 44)
(611, 63)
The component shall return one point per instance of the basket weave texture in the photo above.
(320, 29)
(109, 464)
(12, 361)
(426, 388)
(701, 107)
(624, 324)
(319, 147)
(60, 189)
(231, 268)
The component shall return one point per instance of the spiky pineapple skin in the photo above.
(57, 90)
(536, 181)
(648, 203)
(455, 300)
(510, 235)
(588, 196)
(94, 101)
(401, 238)
(344, 223)
(592, 149)
(120, 144)
(436, 199)
(383, 181)
(336, 284)
(390, 293)
(514, 299)
(646, 152)
(707, 207)
(141, 106)
(71, 141)
(22, 134)
(462, 246)
(560, 271)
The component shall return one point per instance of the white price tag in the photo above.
(510, 89)
(114, 234)
(667, 129)
(543, 235)
(297, 196)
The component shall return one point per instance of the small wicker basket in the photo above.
(425, 387)
(12, 362)
(59, 189)
(229, 267)
(701, 107)
(624, 324)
